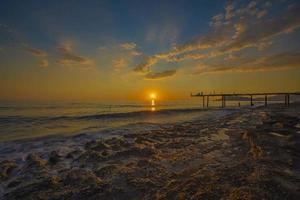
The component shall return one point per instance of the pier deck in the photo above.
(224, 95)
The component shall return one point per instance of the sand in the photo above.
(250, 154)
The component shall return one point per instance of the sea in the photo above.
(20, 120)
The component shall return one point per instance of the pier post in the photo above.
(224, 101)
(266, 100)
(203, 101)
(207, 101)
(251, 99)
(288, 100)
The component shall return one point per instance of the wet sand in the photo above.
(249, 154)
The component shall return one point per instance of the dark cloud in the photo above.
(160, 75)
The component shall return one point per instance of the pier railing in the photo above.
(223, 97)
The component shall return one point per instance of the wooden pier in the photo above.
(223, 97)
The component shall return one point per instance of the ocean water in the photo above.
(30, 120)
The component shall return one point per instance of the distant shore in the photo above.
(251, 153)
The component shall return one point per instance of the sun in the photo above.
(153, 96)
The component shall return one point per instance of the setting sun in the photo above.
(153, 96)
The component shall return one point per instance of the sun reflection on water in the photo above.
(153, 97)
(152, 102)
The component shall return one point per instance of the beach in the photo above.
(246, 153)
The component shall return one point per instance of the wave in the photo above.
(138, 113)
(134, 114)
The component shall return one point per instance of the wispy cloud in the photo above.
(128, 45)
(35, 51)
(160, 75)
(39, 54)
(280, 61)
(216, 38)
(119, 56)
(119, 64)
(17, 40)
(69, 58)
(239, 27)
(44, 63)
(65, 46)
(264, 30)
(131, 48)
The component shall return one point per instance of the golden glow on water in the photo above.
(152, 102)
(153, 97)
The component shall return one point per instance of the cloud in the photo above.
(17, 40)
(44, 63)
(119, 55)
(261, 13)
(119, 64)
(65, 46)
(264, 30)
(275, 62)
(240, 26)
(38, 53)
(188, 56)
(229, 12)
(215, 38)
(217, 20)
(160, 75)
(128, 46)
(146, 64)
(69, 58)
(35, 51)
(20, 42)
(131, 48)
(134, 53)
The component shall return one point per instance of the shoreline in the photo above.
(251, 153)
(80, 138)
(30, 127)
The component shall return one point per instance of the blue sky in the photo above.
(146, 45)
(98, 21)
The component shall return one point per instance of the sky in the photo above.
(98, 50)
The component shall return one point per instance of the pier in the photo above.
(249, 95)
